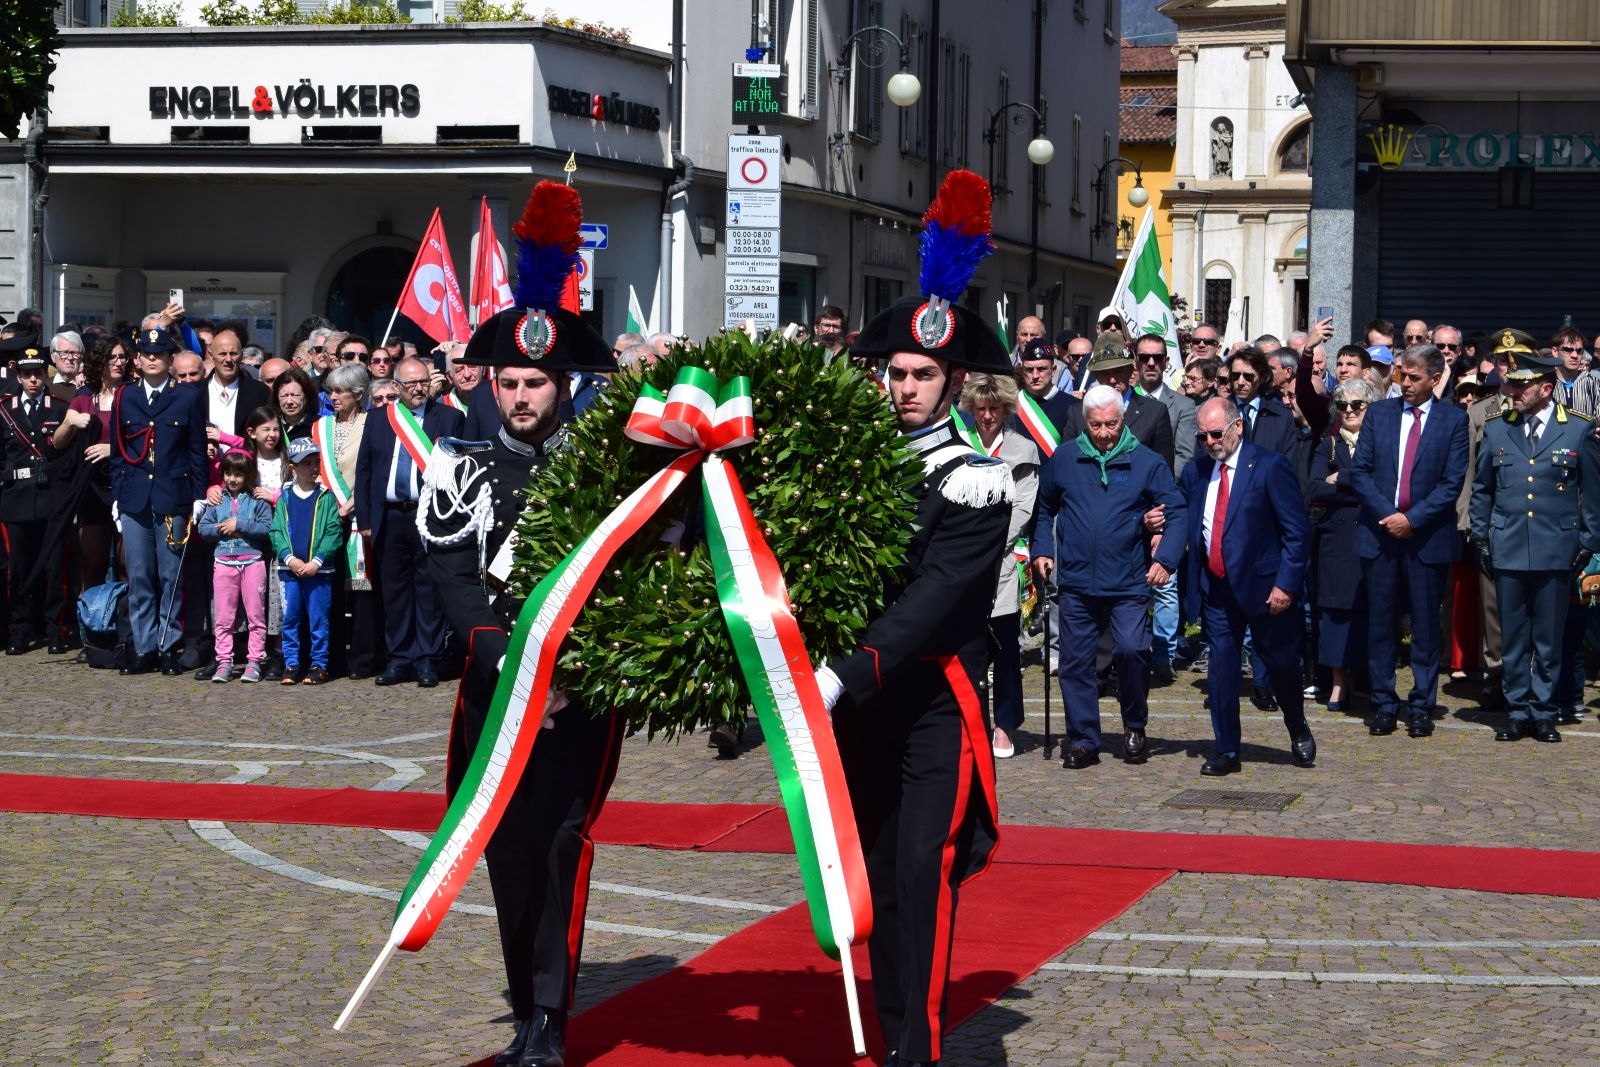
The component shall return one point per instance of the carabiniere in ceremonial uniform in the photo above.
(34, 480)
(540, 854)
(1535, 521)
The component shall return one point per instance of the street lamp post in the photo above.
(903, 88)
(1040, 150)
(1138, 196)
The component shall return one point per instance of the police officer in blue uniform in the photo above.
(158, 471)
(1535, 521)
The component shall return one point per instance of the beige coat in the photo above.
(1022, 456)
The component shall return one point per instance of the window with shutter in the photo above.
(1002, 144)
(869, 81)
(1077, 164)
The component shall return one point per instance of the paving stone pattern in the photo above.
(141, 942)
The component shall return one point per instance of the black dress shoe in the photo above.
(206, 673)
(512, 1054)
(169, 665)
(547, 1039)
(1567, 717)
(61, 646)
(1263, 699)
(1511, 731)
(1303, 749)
(725, 738)
(1161, 673)
(427, 677)
(1546, 732)
(1382, 725)
(140, 663)
(1219, 765)
(1419, 724)
(1135, 746)
(1078, 757)
(18, 645)
(394, 676)
(272, 669)
(1493, 698)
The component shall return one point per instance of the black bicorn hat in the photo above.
(955, 240)
(538, 331)
(23, 349)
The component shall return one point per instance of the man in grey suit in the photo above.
(1150, 366)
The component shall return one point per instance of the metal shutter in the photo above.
(1448, 253)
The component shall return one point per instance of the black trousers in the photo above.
(413, 625)
(912, 766)
(38, 607)
(541, 853)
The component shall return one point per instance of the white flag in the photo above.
(1145, 296)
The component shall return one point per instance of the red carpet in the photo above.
(767, 995)
(623, 822)
(764, 828)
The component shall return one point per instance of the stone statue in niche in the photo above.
(1222, 149)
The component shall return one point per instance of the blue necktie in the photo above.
(1249, 423)
(402, 471)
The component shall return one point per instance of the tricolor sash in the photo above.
(1040, 428)
(699, 416)
(322, 434)
(409, 432)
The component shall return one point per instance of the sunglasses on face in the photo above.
(1212, 435)
(1152, 358)
(1242, 376)
(1350, 405)
(1571, 350)
(1446, 346)
(1209, 342)
(383, 359)
(1416, 337)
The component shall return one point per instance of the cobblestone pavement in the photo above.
(133, 941)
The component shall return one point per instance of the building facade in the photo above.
(1461, 145)
(1241, 193)
(274, 173)
(1149, 121)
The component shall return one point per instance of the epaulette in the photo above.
(979, 482)
(1575, 413)
(1494, 414)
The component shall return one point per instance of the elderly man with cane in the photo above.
(1090, 531)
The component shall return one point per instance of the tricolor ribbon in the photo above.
(409, 432)
(323, 436)
(1039, 426)
(451, 400)
(699, 416)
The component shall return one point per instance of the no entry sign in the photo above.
(754, 162)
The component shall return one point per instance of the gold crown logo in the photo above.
(1390, 143)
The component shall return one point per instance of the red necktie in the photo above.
(1409, 460)
(1219, 517)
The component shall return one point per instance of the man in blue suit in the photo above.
(388, 486)
(158, 471)
(1268, 423)
(1249, 539)
(1408, 469)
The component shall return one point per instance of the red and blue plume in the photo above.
(547, 245)
(955, 235)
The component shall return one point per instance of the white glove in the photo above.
(832, 688)
(199, 508)
(116, 516)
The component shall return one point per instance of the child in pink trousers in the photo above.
(239, 525)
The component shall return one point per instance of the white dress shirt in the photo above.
(223, 397)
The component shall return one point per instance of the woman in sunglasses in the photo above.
(1340, 595)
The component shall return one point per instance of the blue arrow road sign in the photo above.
(594, 234)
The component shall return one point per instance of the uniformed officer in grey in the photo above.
(1535, 521)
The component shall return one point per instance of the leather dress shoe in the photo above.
(1263, 699)
(169, 665)
(206, 673)
(1546, 732)
(1493, 698)
(427, 677)
(1303, 749)
(512, 1055)
(1419, 724)
(18, 645)
(547, 1039)
(1078, 757)
(61, 646)
(394, 676)
(1161, 673)
(1567, 717)
(1511, 731)
(1135, 746)
(1382, 725)
(725, 738)
(140, 663)
(1219, 765)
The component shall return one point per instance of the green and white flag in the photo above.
(1145, 296)
(636, 323)
(1000, 323)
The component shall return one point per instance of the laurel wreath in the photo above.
(829, 481)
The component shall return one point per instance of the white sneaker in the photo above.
(1002, 746)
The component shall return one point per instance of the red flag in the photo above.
(570, 300)
(432, 296)
(491, 293)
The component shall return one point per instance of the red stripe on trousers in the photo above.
(944, 917)
(580, 888)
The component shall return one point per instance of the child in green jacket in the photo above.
(307, 537)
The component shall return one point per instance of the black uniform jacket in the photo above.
(34, 471)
